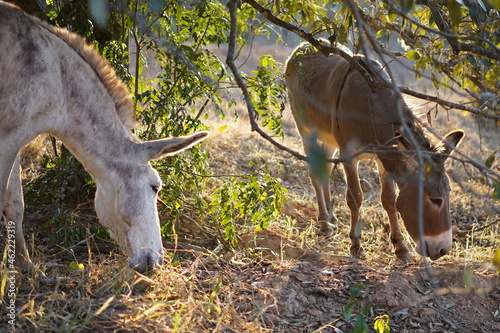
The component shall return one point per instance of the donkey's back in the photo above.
(329, 96)
(30, 67)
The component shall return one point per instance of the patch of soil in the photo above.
(311, 291)
(312, 296)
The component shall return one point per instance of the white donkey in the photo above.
(51, 81)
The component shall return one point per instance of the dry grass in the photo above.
(276, 282)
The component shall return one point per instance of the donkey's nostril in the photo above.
(150, 264)
(153, 264)
(443, 252)
(147, 262)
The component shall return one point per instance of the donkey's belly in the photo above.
(350, 147)
(328, 138)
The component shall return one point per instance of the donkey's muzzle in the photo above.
(436, 246)
(438, 251)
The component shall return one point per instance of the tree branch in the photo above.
(445, 31)
(326, 50)
(233, 6)
(268, 15)
(449, 104)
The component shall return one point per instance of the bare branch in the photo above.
(233, 6)
(449, 104)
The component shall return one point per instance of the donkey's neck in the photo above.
(92, 129)
(100, 147)
(396, 163)
(91, 113)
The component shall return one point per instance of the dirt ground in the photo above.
(311, 294)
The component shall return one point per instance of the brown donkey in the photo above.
(331, 101)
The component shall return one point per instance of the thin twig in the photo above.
(449, 104)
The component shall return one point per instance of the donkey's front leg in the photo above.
(354, 197)
(388, 198)
(13, 212)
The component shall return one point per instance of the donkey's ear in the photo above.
(156, 149)
(450, 142)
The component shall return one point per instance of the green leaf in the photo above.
(341, 35)
(317, 160)
(496, 258)
(496, 190)
(455, 11)
(316, 25)
(472, 60)
(406, 5)
(356, 290)
(295, 7)
(458, 71)
(495, 4)
(348, 310)
(412, 55)
(438, 45)
(492, 76)
(76, 265)
(490, 160)
(392, 17)
(360, 326)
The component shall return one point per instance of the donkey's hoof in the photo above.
(25, 265)
(405, 256)
(326, 229)
(357, 251)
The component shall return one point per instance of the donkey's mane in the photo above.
(117, 90)
(419, 133)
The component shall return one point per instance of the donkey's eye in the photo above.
(155, 188)
(437, 202)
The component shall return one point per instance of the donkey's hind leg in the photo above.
(13, 213)
(328, 227)
(354, 198)
(325, 216)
